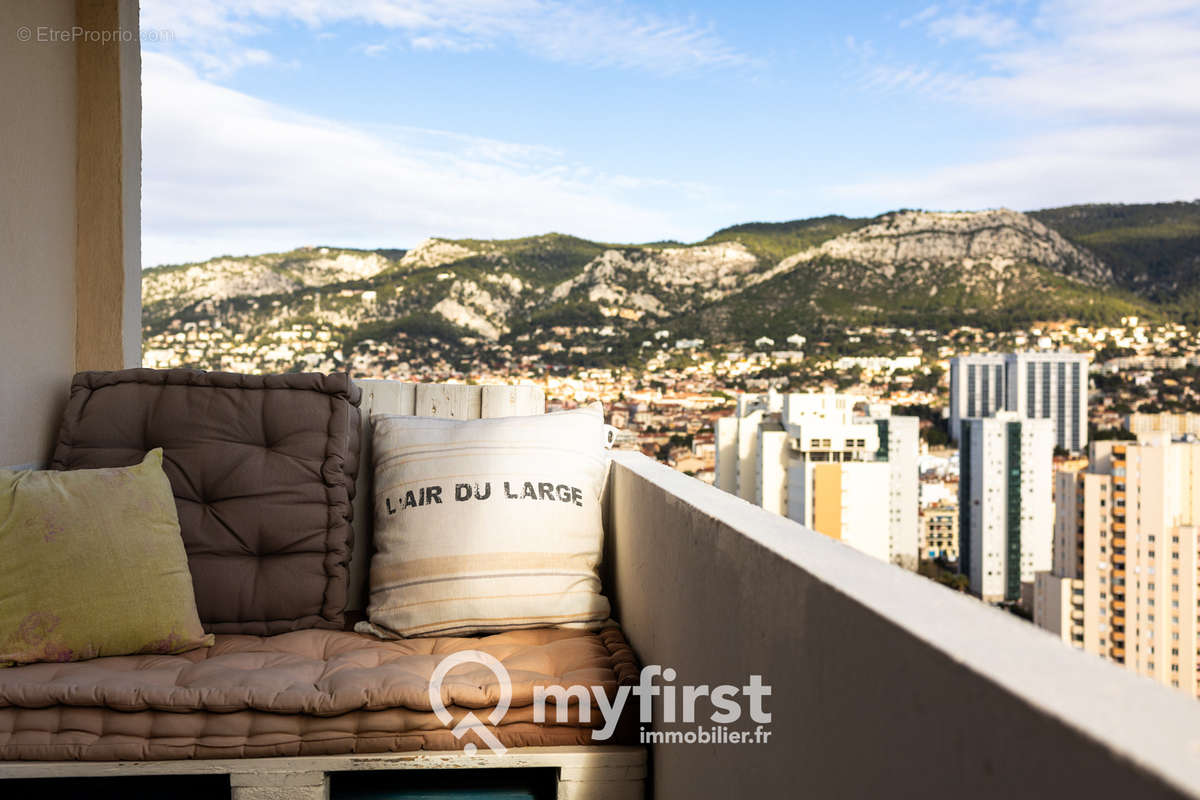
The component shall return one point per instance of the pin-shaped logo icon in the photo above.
(470, 722)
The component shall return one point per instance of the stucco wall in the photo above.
(70, 272)
(37, 228)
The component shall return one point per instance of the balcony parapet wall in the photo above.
(885, 684)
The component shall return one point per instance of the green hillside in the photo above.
(1153, 249)
(774, 241)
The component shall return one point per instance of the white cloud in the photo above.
(582, 32)
(1106, 163)
(1114, 81)
(229, 173)
(981, 25)
(1071, 58)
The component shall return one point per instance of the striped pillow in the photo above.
(487, 525)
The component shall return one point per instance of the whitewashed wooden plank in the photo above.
(305, 792)
(277, 778)
(595, 757)
(511, 401)
(448, 401)
(378, 397)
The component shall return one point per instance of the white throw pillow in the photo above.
(488, 524)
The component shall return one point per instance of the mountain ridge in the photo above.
(930, 269)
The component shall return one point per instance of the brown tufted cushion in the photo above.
(262, 468)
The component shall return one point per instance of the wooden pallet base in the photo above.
(584, 773)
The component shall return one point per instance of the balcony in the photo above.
(876, 673)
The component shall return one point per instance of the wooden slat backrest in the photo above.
(451, 401)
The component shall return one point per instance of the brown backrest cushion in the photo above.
(262, 468)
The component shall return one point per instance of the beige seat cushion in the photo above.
(300, 693)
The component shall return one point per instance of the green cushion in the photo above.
(92, 564)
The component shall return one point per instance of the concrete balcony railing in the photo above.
(884, 684)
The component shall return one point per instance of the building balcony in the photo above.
(1119, 527)
(1118, 605)
(863, 659)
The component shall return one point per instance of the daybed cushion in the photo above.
(262, 468)
(93, 565)
(302, 693)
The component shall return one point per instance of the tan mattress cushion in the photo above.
(262, 469)
(302, 693)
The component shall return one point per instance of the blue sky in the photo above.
(269, 124)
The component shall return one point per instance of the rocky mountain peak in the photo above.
(992, 240)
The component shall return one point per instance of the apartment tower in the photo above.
(1005, 507)
(833, 462)
(1126, 568)
(1036, 385)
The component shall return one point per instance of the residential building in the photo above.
(1035, 385)
(1005, 509)
(939, 531)
(826, 460)
(977, 388)
(1174, 424)
(1127, 533)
